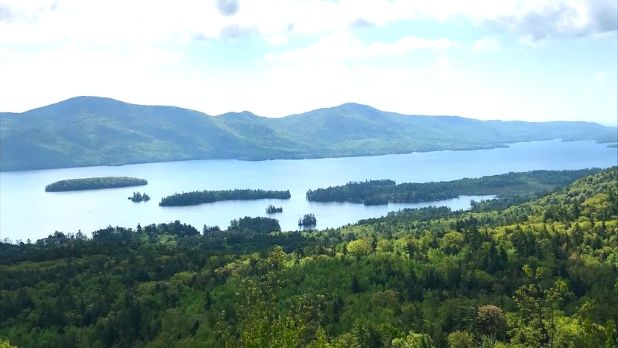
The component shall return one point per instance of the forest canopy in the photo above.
(537, 274)
(374, 192)
(94, 183)
(199, 197)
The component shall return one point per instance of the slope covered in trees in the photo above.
(503, 185)
(541, 273)
(87, 131)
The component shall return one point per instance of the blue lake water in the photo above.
(27, 211)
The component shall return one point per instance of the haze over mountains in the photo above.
(87, 131)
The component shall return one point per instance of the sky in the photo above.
(534, 60)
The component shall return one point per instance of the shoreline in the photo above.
(283, 158)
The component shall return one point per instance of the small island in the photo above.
(199, 197)
(94, 183)
(271, 209)
(139, 197)
(308, 220)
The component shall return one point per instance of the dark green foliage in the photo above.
(502, 202)
(255, 224)
(199, 197)
(86, 131)
(94, 183)
(511, 188)
(537, 274)
(139, 197)
(271, 209)
(307, 220)
(206, 230)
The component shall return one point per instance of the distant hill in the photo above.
(86, 131)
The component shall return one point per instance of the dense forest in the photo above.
(199, 197)
(94, 183)
(541, 273)
(374, 192)
(90, 131)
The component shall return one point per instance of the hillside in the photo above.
(87, 131)
(538, 274)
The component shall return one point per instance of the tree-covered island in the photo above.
(97, 183)
(308, 220)
(271, 209)
(375, 192)
(139, 197)
(199, 197)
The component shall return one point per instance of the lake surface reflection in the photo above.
(27, 211)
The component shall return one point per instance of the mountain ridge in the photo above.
(87, 130)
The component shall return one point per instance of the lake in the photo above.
(27, 211)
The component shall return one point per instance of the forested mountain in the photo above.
(86, 131)
(539, 274)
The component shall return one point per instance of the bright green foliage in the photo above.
(538, 274)
(5, 344)
(461, 339)
(413, 340)
(359, 247)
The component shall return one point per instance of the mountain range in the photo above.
(88, 131)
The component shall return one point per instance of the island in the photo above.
(376, 192)
(139, 197)
(271, 209)
(199, 197)
(308, 220)
(97, 183)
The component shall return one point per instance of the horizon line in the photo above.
(610, 125)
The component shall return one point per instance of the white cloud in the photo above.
(141, 22)
(343, 45)
(531, 41)
(135, 51)
(486, 44)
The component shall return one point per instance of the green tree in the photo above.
(413, 340)
(359, 247)
(539, 309)
(4, 343)
(490, 321)
(461, 339)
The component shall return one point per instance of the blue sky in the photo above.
(511, 59)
